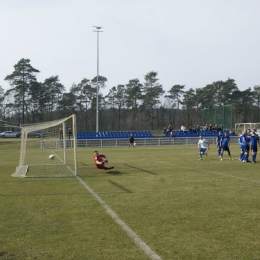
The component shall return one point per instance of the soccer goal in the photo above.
(239, 127)
(48, 149)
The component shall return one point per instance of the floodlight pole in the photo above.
(97, 102)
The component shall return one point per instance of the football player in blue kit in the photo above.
(240, 141)
(225, 146)
(245, 147)
(254, 145)
(218, 142)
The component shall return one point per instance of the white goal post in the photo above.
(48, 149)
(239, 127)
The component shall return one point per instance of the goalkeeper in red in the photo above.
(100, 160)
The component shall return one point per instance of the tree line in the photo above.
(135, 105)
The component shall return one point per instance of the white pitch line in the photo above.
(227, 175)
(147, 250)
(179, 189)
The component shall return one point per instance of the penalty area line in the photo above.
(219, 173)
(147, 250)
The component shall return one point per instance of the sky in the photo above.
(187, 42)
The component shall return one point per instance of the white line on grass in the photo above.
(179, 189)
(148, 251)
(227, 175)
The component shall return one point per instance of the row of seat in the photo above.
(114, 135)
(204, 133)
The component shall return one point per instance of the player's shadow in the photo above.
(114, 172)
(140, 169)
(121, 187)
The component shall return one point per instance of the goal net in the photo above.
(48, 149)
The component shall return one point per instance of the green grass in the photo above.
(182, 208)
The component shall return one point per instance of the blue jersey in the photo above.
(218, 139)
(240, 139)
(254, 140)
(246, 140)
(225, 141)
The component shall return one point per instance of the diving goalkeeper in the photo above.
(100, 160)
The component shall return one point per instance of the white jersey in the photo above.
(203, 143)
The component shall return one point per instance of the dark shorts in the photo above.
(254, 148)
(245, 148)
(225, 148)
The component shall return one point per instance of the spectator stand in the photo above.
(180, 133)
(114, 135)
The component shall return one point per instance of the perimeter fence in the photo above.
(148, 142)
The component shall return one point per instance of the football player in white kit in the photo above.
(203, 145)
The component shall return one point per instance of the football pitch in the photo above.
(157, 203)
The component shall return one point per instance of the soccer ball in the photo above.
(51, 156)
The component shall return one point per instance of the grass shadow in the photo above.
(120, 187)
(114, 172)
(140, 169)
